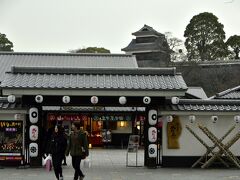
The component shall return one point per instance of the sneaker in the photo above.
(61, 178)
(64, 164)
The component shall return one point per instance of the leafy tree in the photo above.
(91, 50)
(177, 49)
(5, 44)
(234, 43)
(205, 38)
(173, 42)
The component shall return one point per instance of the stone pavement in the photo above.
(110, 164)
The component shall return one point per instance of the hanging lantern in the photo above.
(33, 115)
(94, 99)
(33, 149)
(39, 98)
(192, 118)
(33, 133)
(66, 99)
(152, 117)
(146, 100)
(214, 119)
(152, 134)
(152, 150)
(122, 100)
(175, 100)
(237, 119)
(11, 98)
(17, 117)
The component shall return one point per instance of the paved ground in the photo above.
(111, 165)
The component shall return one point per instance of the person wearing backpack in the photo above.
(78, 149)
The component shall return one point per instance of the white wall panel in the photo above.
(190, 146)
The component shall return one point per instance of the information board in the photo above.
(11, 140)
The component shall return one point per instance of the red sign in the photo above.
(66, 117)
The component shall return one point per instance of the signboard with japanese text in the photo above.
(84, 117)
(11, 140)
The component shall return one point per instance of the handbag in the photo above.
(83, 156)
(86, 163)
(48, 165)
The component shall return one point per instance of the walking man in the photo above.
(78, 149)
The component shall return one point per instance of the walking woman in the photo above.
(58, 148)
(78, 147)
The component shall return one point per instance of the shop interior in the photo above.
(109, 130)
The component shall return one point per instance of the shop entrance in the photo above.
(104, 129)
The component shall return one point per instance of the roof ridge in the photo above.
(67, 70)
(208, 101)
(227, 91)
(62, 54)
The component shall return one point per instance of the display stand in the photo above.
(133, 145)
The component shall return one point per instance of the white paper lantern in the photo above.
(122, 100)
(66, 99)
(33, 115)
(11, 98)
(94, 99)
(237, 119)
(146, 100)
(39, 98)
(169, 119)
(152, 150)
(152, 117)
(17, 117)
(192, 118)
(152, 134)
(175, 100)
(33, 133)
(214, 119)
(33, 149)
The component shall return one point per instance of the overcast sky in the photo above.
(62, 25)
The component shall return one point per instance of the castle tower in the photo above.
(150, 48)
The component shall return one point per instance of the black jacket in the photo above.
(77, 142)
(58, 145)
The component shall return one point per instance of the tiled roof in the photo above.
(146, 31)
(9, 59)
(154, 47)
(233, 93)
(90, 78)
(4, 104)
(205, 105)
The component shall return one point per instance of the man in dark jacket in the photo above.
(78, 148)
(57, 149)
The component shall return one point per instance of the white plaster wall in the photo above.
(190, 146)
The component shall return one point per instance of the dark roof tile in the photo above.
(137, 79)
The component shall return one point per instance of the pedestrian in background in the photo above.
(57, 149)
(78, 149)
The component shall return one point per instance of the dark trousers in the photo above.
(76, 161)
(57, 165)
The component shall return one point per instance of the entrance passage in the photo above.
(104, 129)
